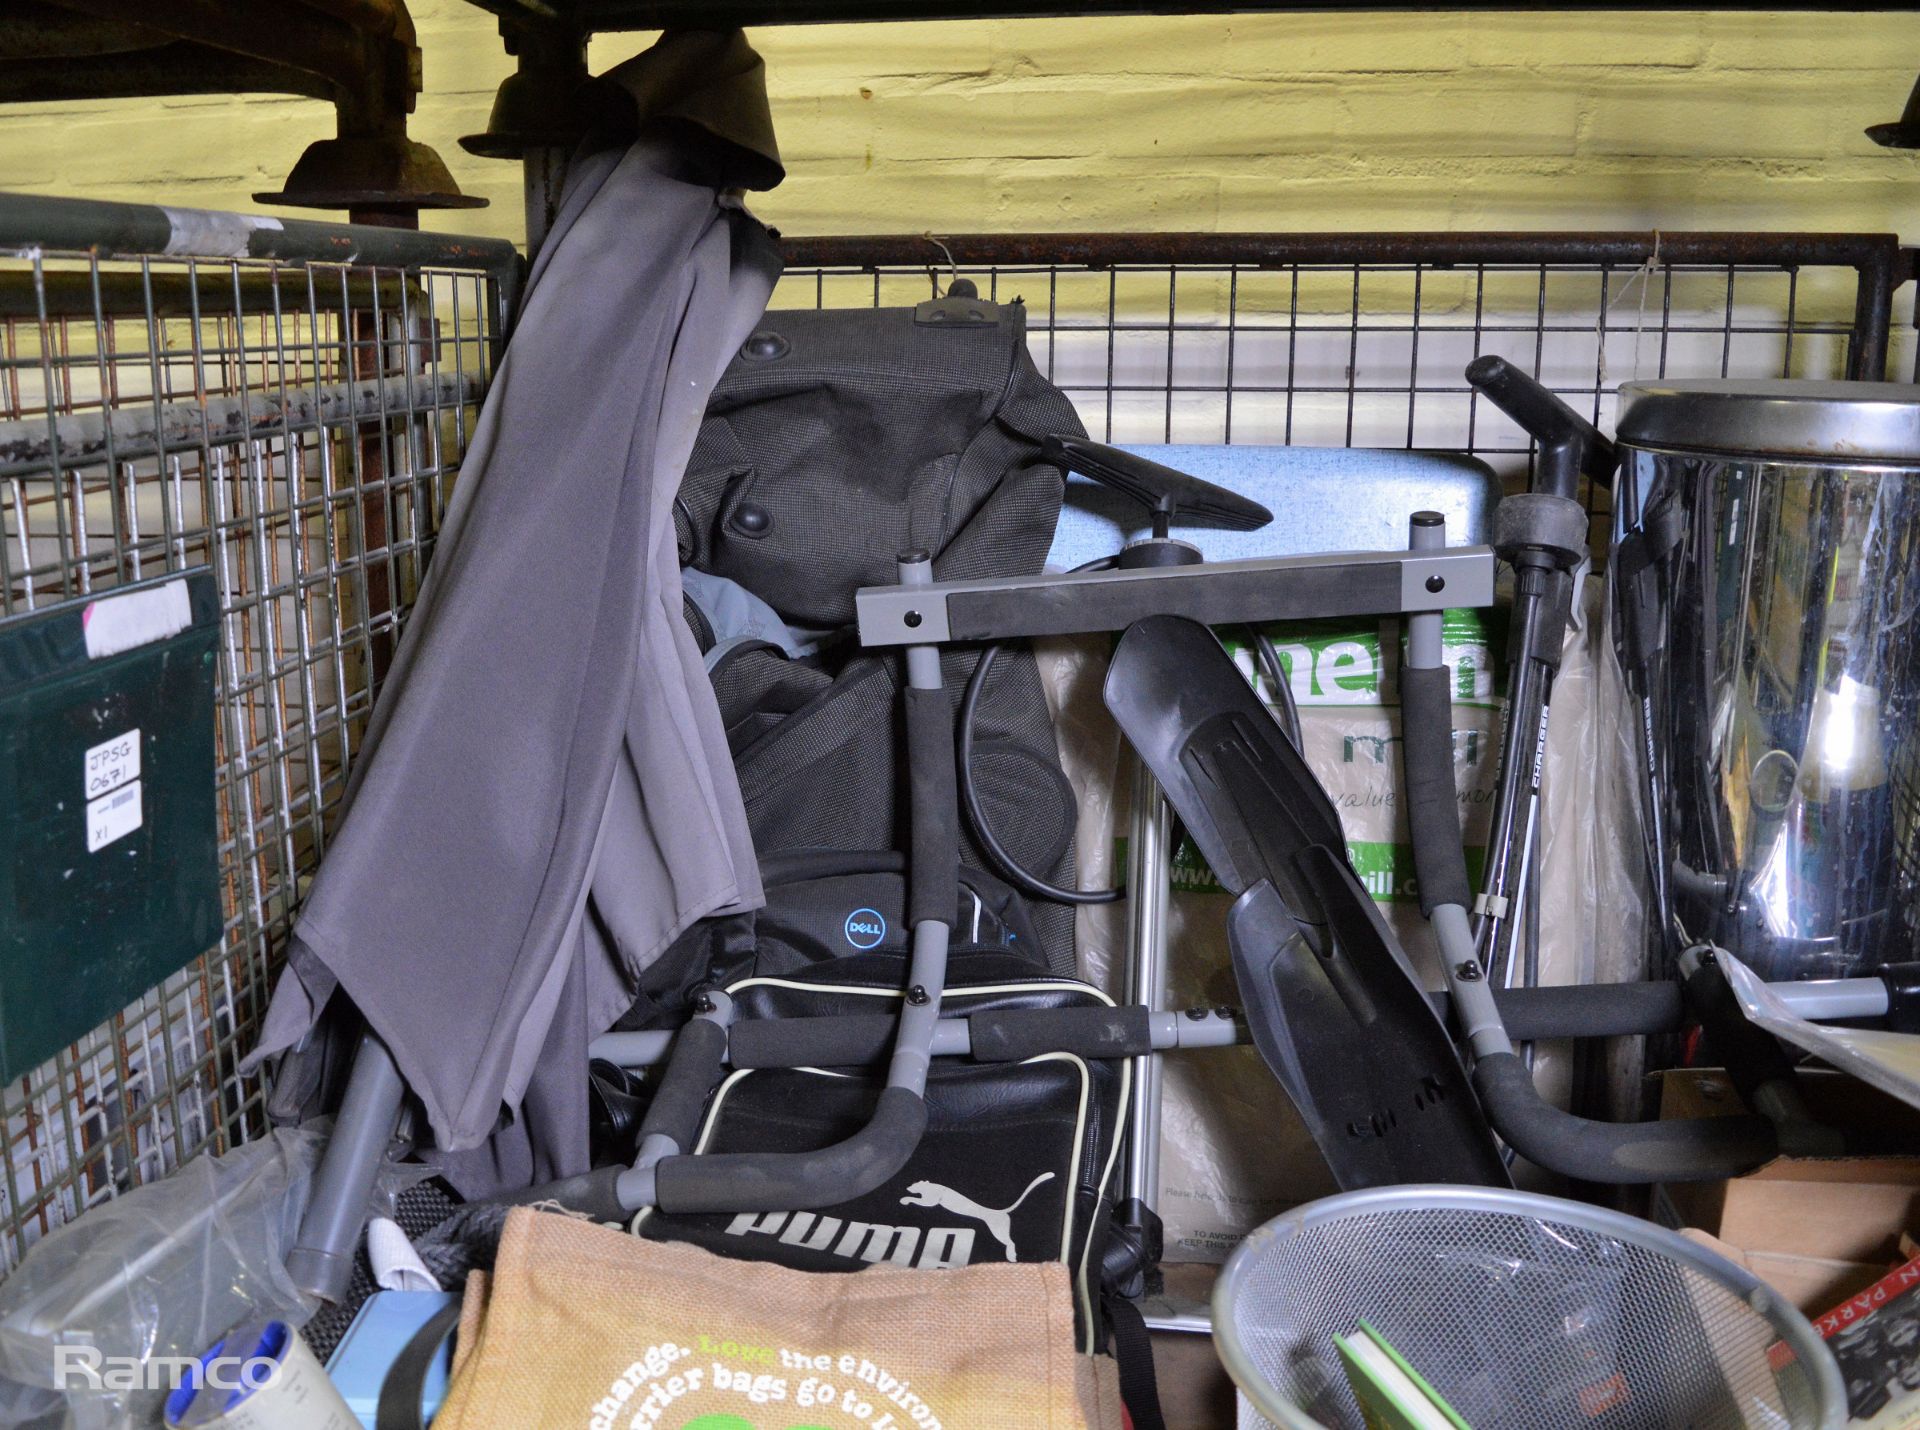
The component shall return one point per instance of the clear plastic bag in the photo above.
(163, 1271)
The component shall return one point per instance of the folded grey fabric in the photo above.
(544, 798)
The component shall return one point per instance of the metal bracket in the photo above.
(1369, 583)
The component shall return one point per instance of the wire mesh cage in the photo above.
(289, 404)
(1363, 339)
(1519, 1310)
(293, 422)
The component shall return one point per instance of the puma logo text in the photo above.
(997, 1221)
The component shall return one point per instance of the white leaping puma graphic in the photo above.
(997, 1221)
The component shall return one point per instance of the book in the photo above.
(1875, 1336)
(1392, 1394)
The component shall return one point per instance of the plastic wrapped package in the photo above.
(1233, 1151)
(164, 1271)
(1594, 862)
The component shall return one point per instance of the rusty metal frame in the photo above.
(288, 403)
(602, 15)
(1878, 260)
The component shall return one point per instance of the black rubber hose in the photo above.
(1009, 1035)
(1433, 802)
(1693, 1149)
(798, 1181)
(1286, 714)
(1007, 866)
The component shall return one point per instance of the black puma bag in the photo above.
(1017, 1163)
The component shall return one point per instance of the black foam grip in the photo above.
(1693, 1149)
(1015, 1034)
(933, 864)
(1587, 1010)
(1433, 803)
(797, 1181)
(401, 1393)
(844, 1040)
(1569, 444)
(693, 1071)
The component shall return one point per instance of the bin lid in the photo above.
(1824, 421)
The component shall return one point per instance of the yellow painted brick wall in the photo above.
(1235, 122)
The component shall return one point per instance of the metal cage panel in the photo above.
(1363, 339)
(291, 406)
(296, 426)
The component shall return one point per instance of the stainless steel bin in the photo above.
(1766, 585)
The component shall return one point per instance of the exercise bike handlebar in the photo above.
(1167, 493)
(1692, 1149)
(1570, 446)
(1701, 1149)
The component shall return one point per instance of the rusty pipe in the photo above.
(179, 67)
(35, 31)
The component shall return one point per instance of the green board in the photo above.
(109, 863)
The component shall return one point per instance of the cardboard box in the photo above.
(1817, 1229)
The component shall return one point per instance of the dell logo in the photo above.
(865, 928)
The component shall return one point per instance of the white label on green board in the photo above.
(136, 618)
(112, 763)
(113, 816)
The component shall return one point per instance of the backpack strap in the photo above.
(1132, 1348)
(406, 1382)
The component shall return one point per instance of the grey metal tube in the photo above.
(856, 1165)
(1833, 1000)
(1149, 893)
(913, 1044)
(118, 230)
(1426, 531)
(321, 1261)
(142, 430)
(1473, 1000)
(930, 781)
(632, 1050)
(865, 1037)
(1205, 1029)
(1473, 1003)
